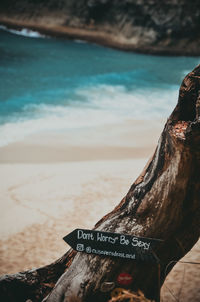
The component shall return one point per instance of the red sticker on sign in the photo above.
(124, 279)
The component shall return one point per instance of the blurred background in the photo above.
(85, 90)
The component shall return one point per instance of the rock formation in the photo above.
(157, 27)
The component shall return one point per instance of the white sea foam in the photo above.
(137, 104)
(23, 32)
(100, 105)
(53, 118)
(80, 41)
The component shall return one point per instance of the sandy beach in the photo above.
(52, 183)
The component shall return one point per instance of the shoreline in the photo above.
(125, 140)
(34, 154)
(96, 36)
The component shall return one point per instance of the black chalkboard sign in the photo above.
(113, 244)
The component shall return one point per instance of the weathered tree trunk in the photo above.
(164, 203)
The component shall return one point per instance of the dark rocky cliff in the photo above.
(154, 26)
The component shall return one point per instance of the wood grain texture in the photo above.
(163, 203)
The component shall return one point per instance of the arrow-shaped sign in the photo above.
(113, 244)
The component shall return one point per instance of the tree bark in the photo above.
(163, 203)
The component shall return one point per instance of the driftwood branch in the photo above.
(164, 203)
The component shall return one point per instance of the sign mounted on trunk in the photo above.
(113, 244)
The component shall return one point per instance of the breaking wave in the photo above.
(94, 106)
(23, 32)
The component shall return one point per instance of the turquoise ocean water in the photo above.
(53, 84)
